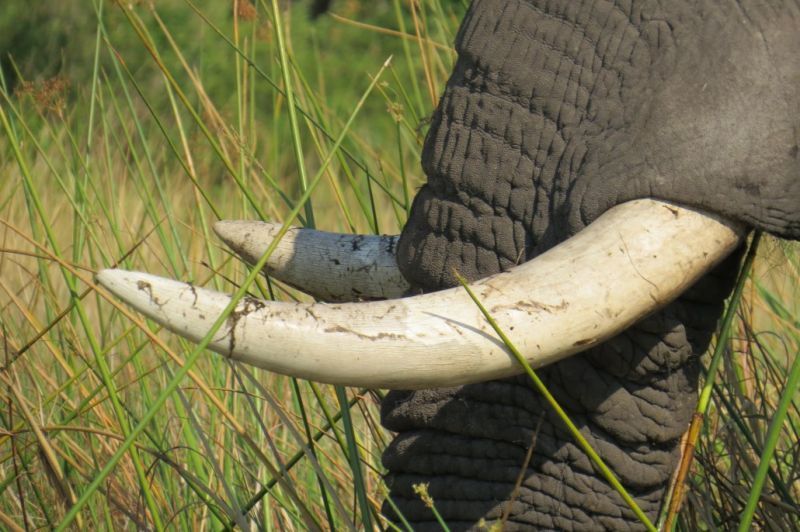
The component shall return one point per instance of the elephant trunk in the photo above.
(555, 112)
(496, 451)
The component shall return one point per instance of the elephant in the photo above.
(562, 120)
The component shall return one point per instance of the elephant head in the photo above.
(592, 166)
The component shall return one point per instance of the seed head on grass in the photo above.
(396, 111)
(49, 95)
(245, 10)
(421, 489)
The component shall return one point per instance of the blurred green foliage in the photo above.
(42, 40)
(46, 39)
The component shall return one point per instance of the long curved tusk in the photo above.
(634, 259)
(328, 266)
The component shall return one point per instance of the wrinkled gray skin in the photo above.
(555, 112)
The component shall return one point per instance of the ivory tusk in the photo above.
(328, 266)
(634, 259)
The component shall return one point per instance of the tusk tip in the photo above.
(137, 289)
(107, 277)
(115, 279)
(121, 283)
(236, 233)
(227, 229)
(221, 226)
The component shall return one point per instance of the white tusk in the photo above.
(328, 266)
(634, 259)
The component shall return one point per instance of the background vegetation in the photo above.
(126, 129)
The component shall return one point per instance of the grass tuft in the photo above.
(126, 130)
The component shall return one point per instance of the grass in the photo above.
(540, 386)
(128, 142)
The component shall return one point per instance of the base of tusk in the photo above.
(328, 266)
(631, 261)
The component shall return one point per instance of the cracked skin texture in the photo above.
(555, 112)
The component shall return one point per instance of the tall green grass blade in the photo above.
(86, 324)
(725, 329)
(148, 43)
(773, 437)
(355, 458)
(420, 108)
(233, 509)
(203, 344)
(295, 459)
(290, 107)
(309, 441)
(671, 505)
(576, 433)
(307, 449)
(120, 68)
(280, 91)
